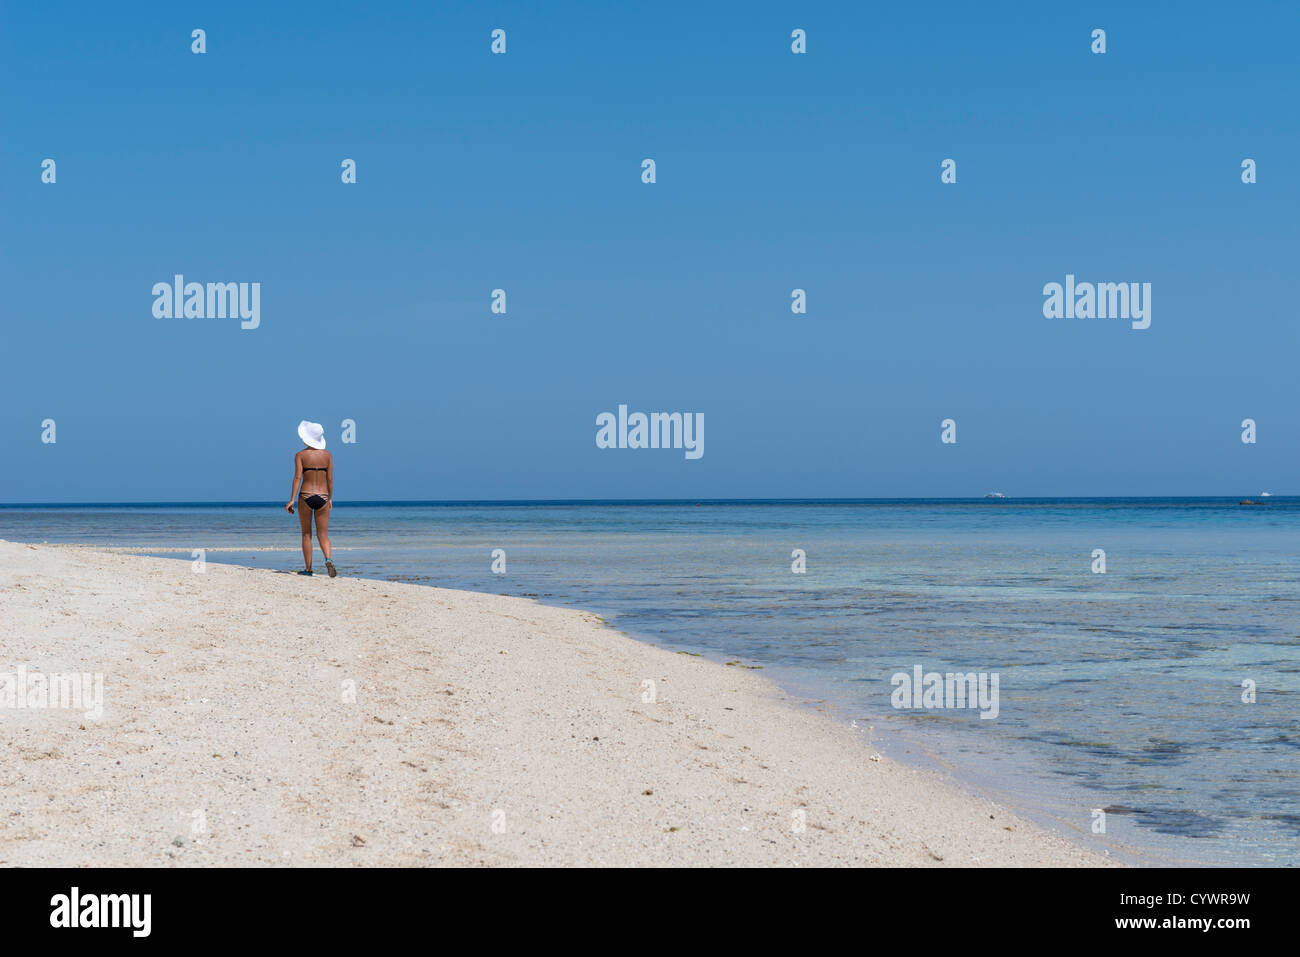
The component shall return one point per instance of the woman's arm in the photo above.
(297, 480)
(329, 481)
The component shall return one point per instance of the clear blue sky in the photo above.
(775, 171)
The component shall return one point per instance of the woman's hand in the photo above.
(288, 507)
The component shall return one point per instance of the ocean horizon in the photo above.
(1122, 687)
(903, 500)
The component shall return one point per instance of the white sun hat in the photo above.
(312, 434)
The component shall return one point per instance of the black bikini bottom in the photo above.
(316, 501)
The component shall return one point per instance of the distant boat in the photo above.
(1265, 494)
(995, 495)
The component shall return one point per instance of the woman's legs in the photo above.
(304, 520)
(323, 529)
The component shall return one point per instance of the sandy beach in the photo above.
(258, 718)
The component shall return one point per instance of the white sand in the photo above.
(223, 694)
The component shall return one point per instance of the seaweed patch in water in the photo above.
(1182, 823)
(1289, 821)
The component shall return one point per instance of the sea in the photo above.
(1146, 650)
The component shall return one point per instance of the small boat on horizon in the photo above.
(994, 495)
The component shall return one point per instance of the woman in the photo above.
(313, 470)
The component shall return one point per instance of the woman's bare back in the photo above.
(315, 463)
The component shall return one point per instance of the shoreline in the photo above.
(485, 730)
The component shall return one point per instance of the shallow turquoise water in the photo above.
(1120, 690)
